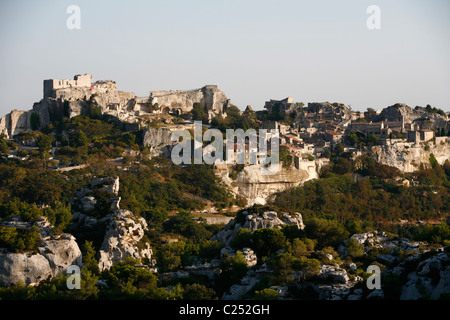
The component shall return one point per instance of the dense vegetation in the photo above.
(375, 196)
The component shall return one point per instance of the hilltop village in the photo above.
(398, 135)
(86, 180)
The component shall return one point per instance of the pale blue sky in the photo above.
(254, 50)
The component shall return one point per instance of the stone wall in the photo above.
(213, 100)
(78, 81)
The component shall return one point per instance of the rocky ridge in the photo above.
(124, 233)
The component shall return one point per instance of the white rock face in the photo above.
(257, 188)
(55, 254)
(159, 140)
(267, 219)
(122, 238)
(432, 277)
(124, 231)
(407, 157)
(335, 274)
(22, 267)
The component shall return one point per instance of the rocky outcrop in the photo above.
(124, 232)
(334, 274)
(267, 219)
(426, 275)
(54, 255)
(213, 100)
(258, 188)
(123, 239)
(71, 101)
(250, 256)
(15, 122)
(380, 240)
(159, 140)
(402, 112)
(408, 157)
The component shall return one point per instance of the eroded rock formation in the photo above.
(54, 255)
(267, 219)
(124, 232)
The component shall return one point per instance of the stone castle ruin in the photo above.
(79, 81)
(69, 98)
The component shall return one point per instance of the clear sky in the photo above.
(254, 50)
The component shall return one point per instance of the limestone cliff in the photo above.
(258, 188)
(159, 139)
(408, 157)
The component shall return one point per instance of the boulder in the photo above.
(334, 274)
(27, 268)
(266, 219)
(54, 255)
(61, 253)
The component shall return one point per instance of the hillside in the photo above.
(131, 216)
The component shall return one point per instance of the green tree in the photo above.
(125, 281)
(352, 226)
(266, 294)
(242, 239)
(171, 256)
(35, 121)
(354, 248)
(4, 147)
(44, 143)
(199, 113)
(183, 224)
(197, 291)
(59, 215)
(309, 267)
(298, 248)
(233, 269)
(327, 233)
(267, 241)
(282, 269)
(89, 260)
(339, 149)
(81, 139)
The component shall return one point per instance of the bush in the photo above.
(266, 294)
(19, 239)
(354, 248)
(267, 241)
(183, 224)
(197, 291)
